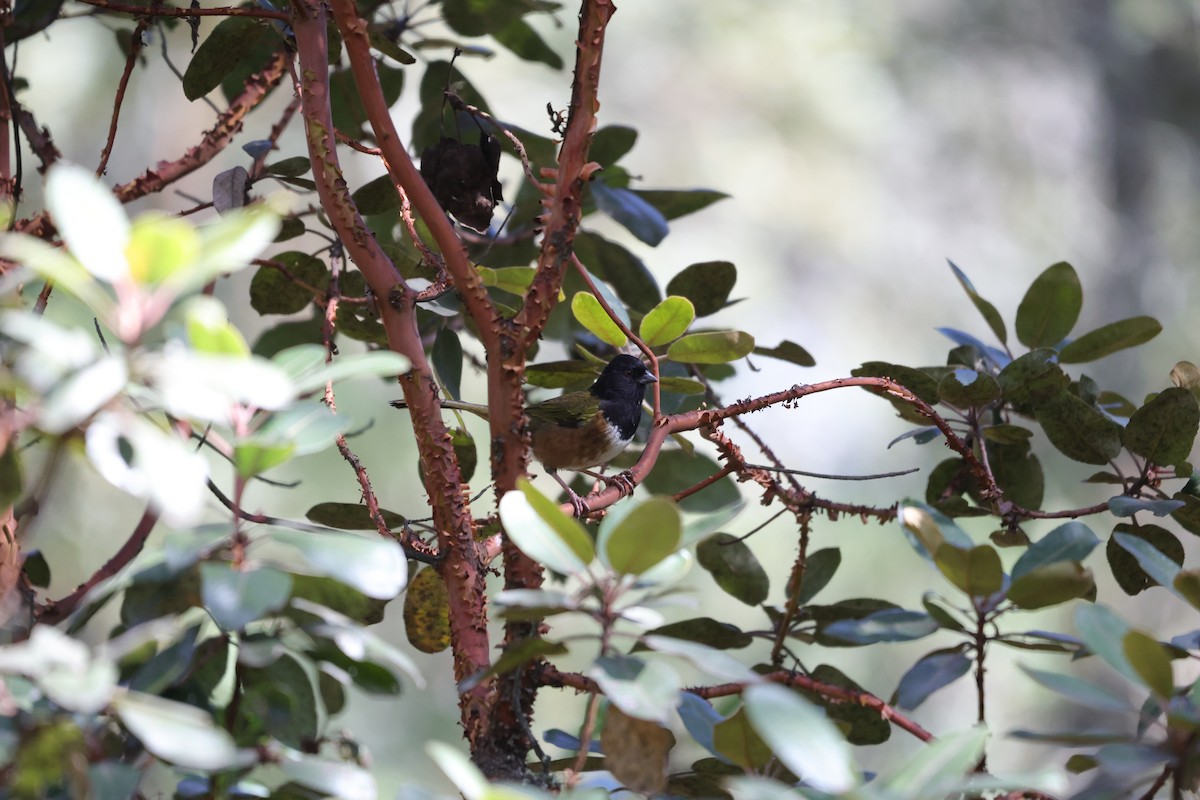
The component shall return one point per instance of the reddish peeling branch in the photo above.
(168, 11)
(712, 418)
(561, 219)
(460, 567)
(135, 48)
(554, 678)
(215, 139)
(400, 166)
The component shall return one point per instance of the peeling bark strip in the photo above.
(460, 565)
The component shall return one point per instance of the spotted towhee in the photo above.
(581, 430)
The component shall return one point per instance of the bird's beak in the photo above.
(648, 378)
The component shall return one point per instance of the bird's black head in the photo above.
(624, 378)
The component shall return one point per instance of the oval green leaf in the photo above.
(543, 532)
(427, 612)
(1050, 308)
(667, 321)
(802, 737)
(1164, 429)
(1051, 584)
(707, 284)
(591, 315)
(1078, 430)
(644, 537)
(734, 567)
(1109, 339)
(713, 347)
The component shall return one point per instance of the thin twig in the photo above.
(169, 11)
(135, 49)
(55, 611)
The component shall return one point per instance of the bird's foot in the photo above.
(579, 506)
(623, 481)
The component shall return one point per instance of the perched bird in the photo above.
(581, 430)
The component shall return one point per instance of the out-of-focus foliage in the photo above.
(239, 637)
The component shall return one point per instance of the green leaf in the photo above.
(351, 516)
(677, 470)
(544, 533)
(159, 247)
(620, 269)
(90, 221)
(861, 725)
(917, 381)
(675, 203)
(933, 672)
(1071, 541)
(273, 292)
(591, 315)
(176, 732)
(818, 572)
(989, 312)
(1109, 339)
(1050, 308)
(373, 565)
(802, 737)
(788, 351)
(643, 689)
(885, 625)
(976, 571)
(644, 536)
(631, 212)
(1078, 430)
(707, 284)
(1150, 661)
(1018, 473)
(934, 767)
(712, 347)
(1123, 506)
(1126, 567)
(1032, 377)
(392, 50)
(329, 778)
(736, 740)
(292, 167)
(219, 54)
(1051, 584)
(1164, 429)
(734, 567)
(1080, 690)
(53, 264)
(305, 365)
(525, 43)
(667, 321)
(427, 612)
(1104, 634)
(706, 630)
(235, 598)
(611, 143)
(709, 660)
(377, 196)
(1007, 434)
(966, 388)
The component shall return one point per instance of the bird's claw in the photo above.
(578, 505)
(623, 481)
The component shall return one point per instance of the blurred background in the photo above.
(863, 143)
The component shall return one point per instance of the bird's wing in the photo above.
(564, 411)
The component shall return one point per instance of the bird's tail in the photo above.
(456, 405)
